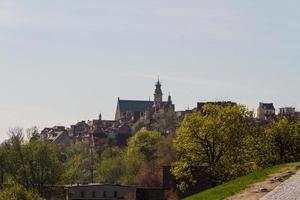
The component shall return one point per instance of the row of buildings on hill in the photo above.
(96, 131)
(267, 111)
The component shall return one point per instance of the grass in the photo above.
(235, 186)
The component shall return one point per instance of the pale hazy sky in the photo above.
(62, 61)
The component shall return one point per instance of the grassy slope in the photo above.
(235, 186)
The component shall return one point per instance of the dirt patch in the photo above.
(260, 189)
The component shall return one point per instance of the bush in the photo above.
(18, 192)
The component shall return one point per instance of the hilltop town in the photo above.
(144, 114)
(151, 151)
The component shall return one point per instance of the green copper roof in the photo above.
(134, 105)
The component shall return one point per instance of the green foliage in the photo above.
(137, 126)
(43, 162)
(80, 161)
(132, 167)
(73, 170)
(149, 174)
(2, 163)
(165, 122)
(166, 153)
(32, 165)
(259, 147)
(216, 139)
(144, 143)
(75, 150)
(111, 166)
(222, 142)
(122, 166)
(18, 192)
(235, 186)
(284, 139)
(117, 167)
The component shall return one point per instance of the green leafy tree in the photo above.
(2, 164)
(142, 159)
(138, 125)
(166, 152)
(213, 142)
(15, 165)
(150, 171)
(18, 192)
(79, 164)
(32, 165)
(73, 170)
(43, 164)
(284, 136)
(259, 146)
(122, 166)
(144, 143)
(149, 174)
(165, 122)
(111, 166)
(132, 166)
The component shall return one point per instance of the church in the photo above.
(132, 110)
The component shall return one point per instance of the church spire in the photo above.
(169, 99)
(158, 93)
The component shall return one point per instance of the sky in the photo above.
(63, 61)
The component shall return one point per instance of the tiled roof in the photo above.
(134, 105)
(268, 106)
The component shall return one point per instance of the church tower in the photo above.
(158, 95)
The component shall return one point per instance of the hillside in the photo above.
(239, 185)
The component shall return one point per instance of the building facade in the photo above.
(289, 112)
(98, 192)
(265, 111)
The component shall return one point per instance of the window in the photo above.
(94, 194)
(82, 194)
(104, 194)
(115, 194)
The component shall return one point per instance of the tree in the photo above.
(138, 125)
(78, 165)
(32, 165)
(2, 164)
(144, 143)
(43, 164)
(111, 166)
(149, 174)
(118, 166)
(214, 142)
(132, 165)
(166, 153)
(33, 133)
(154, 151)
(18, 192)
(284, 139)
(73, 170)
(15, 164)
(165, 122)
